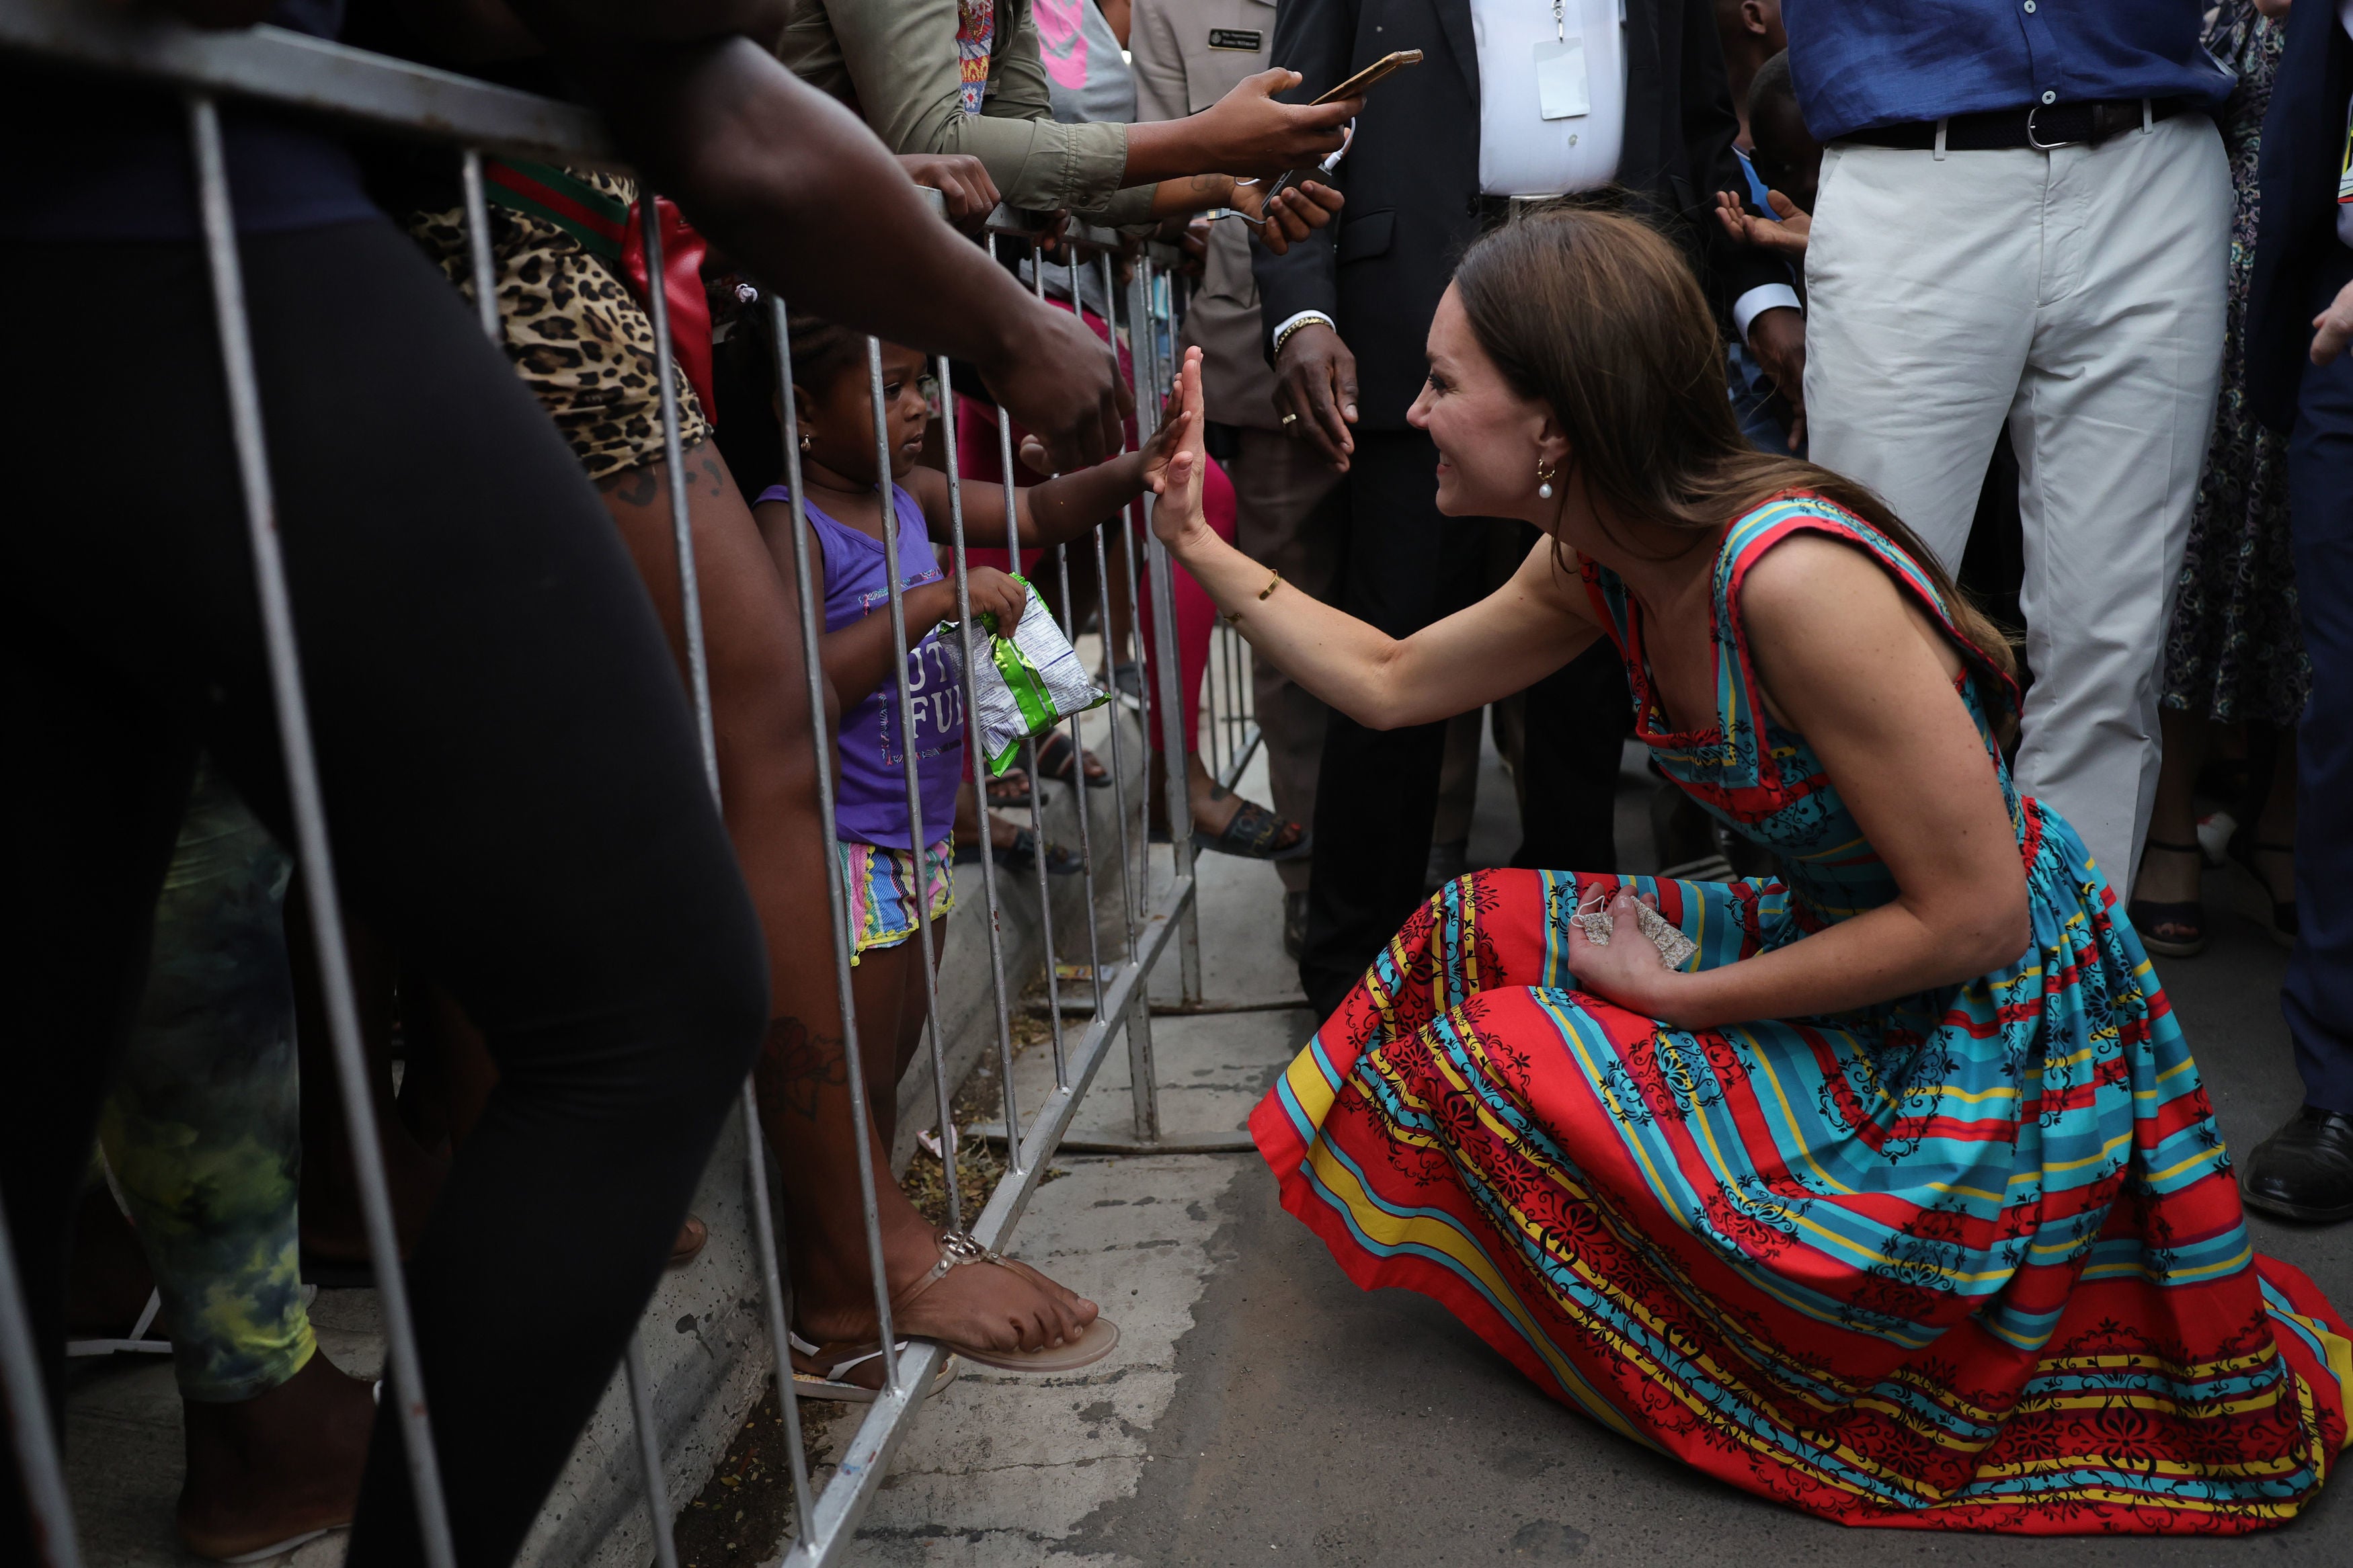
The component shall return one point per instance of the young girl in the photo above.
(886, 880)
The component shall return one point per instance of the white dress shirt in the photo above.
(1522, 153)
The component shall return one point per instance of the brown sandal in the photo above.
(957, 1247)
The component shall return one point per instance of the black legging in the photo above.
(511, 778)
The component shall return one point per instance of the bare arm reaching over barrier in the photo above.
(789, 182)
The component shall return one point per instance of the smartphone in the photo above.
(1387, 66)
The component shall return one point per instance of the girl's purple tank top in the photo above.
(872, 804)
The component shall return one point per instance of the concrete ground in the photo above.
(1262, 1409)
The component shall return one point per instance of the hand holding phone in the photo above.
(1356, 86)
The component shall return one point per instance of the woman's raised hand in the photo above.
(1175, 463)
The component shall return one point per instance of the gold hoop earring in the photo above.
(1543, 481)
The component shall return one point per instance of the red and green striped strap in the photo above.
(594, 218)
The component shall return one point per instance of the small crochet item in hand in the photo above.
(1674, 948)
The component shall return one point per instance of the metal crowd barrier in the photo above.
(303, 73)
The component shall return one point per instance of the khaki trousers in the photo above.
(2077, 295)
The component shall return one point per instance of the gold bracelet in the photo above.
(1234, 617)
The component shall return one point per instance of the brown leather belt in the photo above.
(2043, 126)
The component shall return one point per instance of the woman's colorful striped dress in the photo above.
(1971, 1260)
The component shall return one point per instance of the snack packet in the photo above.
(1027, 684)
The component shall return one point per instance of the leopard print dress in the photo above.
(577, 335)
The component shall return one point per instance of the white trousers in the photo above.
(2077, 293)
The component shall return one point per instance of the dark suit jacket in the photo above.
(1412, 176)
(2296, 248)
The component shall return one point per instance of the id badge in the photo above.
(1562, 91)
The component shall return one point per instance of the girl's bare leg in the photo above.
(768, 784)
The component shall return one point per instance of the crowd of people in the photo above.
(1924, 426)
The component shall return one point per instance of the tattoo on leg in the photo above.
(634, 487)
(800, 1064)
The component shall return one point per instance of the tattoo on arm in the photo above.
(797, 1065)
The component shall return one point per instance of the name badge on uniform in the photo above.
(1562, 90)
(1244, 38)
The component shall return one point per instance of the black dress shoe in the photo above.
(2304, 1171)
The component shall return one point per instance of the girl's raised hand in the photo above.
(1178, 480)
(1162, 447)
(994, 593)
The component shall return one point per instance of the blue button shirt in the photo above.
(1860, 63)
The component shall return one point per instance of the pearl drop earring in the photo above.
(1543, 481)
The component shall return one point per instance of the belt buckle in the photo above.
(2036, 142)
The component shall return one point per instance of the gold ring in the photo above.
(1291, 419)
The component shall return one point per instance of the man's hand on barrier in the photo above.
(1246, 133)
(1298, 213)
(960, 177)
(2333, 327)
(1056, 377)
(1315, 391)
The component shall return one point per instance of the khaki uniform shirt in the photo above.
(895, 63)
(1186, 54)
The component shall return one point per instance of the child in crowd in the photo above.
(887, 880)
(1785, 168)
(1784, 165)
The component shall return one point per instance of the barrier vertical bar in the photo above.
(973, 751)
(1079, 786)
(1036, 778)
(1144, 1087)
(788, 1402)
(1137, 516)
(477, 247)
(698, 666)
(1127, 902)
(309, 809)
(836, 904)
(886, 497)
(641, 1417)
(27, 1396)
(1179, 803)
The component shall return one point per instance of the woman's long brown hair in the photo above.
(1597, 315)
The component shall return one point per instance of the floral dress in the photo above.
(1969, 1259)
(2233, 651)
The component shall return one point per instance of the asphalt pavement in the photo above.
(1263, 1410)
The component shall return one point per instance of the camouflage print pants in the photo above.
(202, 1128)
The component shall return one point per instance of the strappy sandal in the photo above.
(833, 1382)
(1054, 763)
(1008, 790)
(1255, 833)
(2281, 927)
(957, 1247)
(1022, 854)
(2173, 930)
